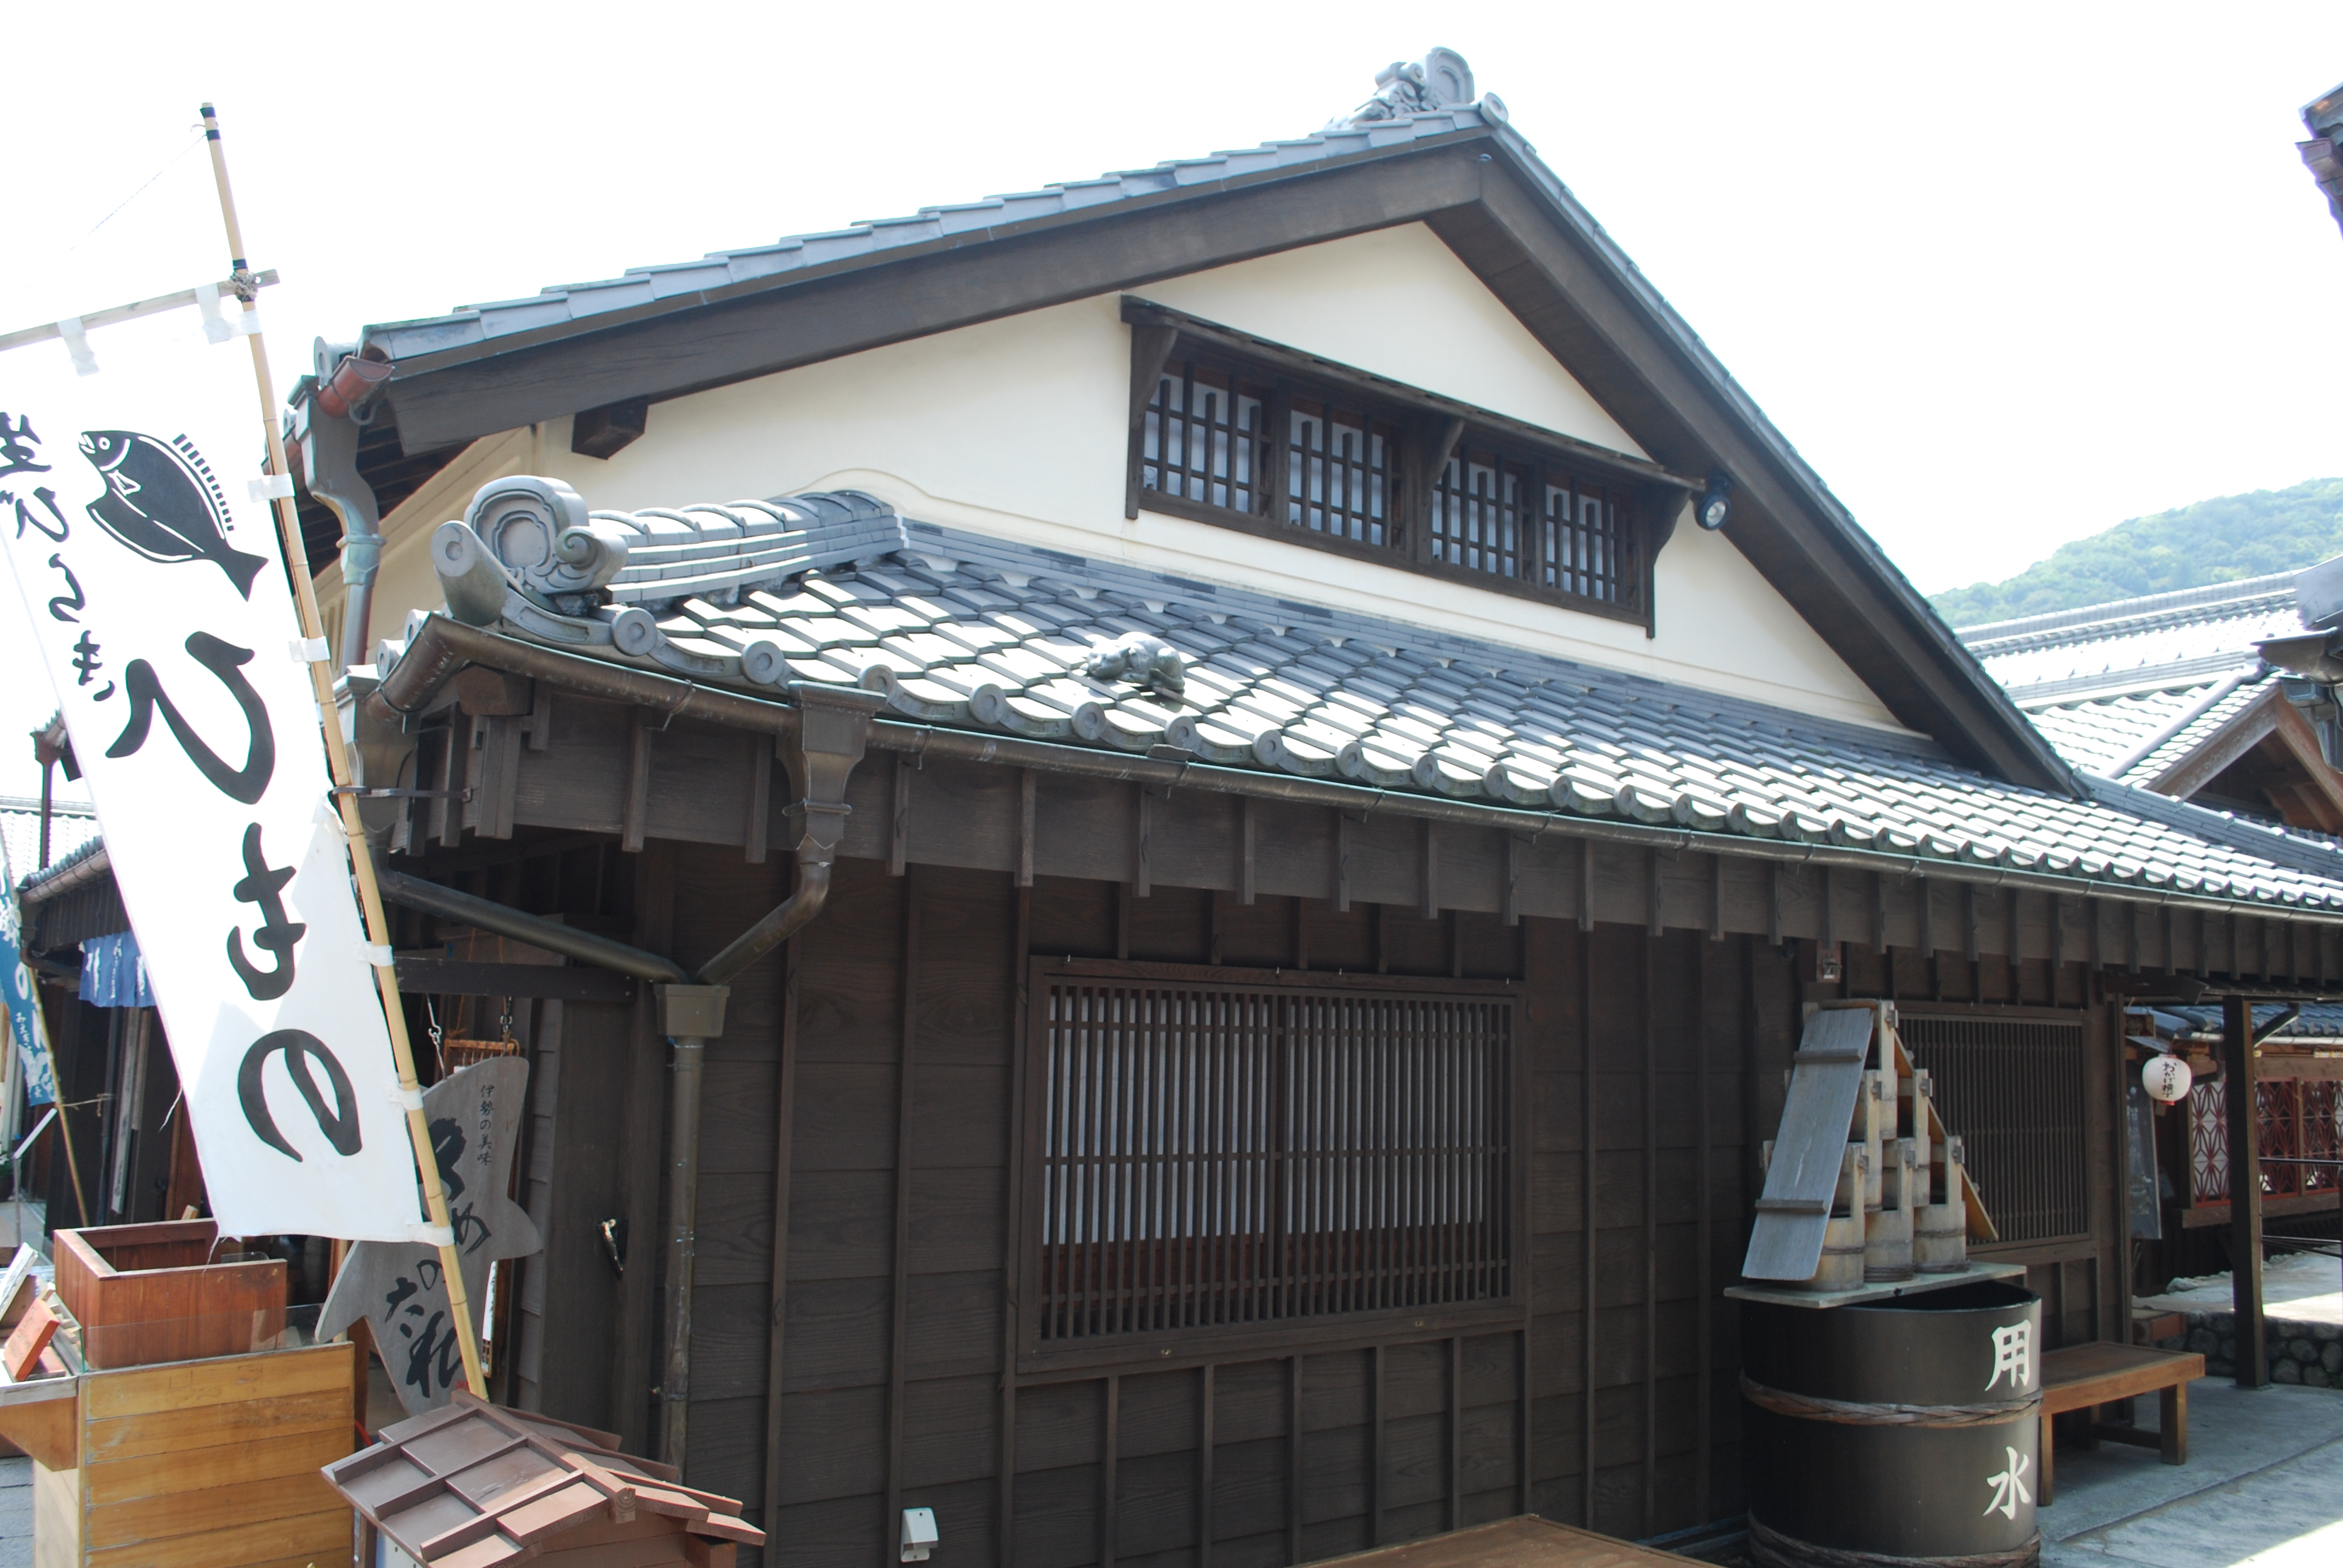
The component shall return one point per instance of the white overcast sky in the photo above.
(2006, 275)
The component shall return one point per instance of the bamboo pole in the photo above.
(378, 928)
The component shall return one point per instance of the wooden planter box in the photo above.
(202, 1464)
(144, 1294)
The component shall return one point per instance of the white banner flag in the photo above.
(153, 581)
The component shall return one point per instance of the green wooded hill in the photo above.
(2215, 541)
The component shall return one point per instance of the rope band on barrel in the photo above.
(1772, 1549)
(1811, 1407)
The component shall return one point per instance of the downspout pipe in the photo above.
(833, 728)
(330, 462)
(690, 1016)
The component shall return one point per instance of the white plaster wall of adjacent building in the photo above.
(1017, 428)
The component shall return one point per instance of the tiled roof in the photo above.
(2137, 654)
(2100, 733)
(72, 824)
(980, 634)
(2104, 680)
(2317, 1021)
(685, 282)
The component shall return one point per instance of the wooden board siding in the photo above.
(899, 1386)
(868, 1087)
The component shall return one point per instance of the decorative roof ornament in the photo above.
(1144, 658)
(1404, 88)
(528, 555)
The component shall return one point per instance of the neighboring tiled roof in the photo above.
(2318, 1021)
(72, 824)
(2177, 638)
(981, 634)
(2104, 680)
(470, 1485)
(2100, 733)
(471, 325)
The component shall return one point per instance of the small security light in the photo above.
(1715, 503)
(918, 1533)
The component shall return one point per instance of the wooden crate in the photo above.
(201, 1464)
(146, 1294)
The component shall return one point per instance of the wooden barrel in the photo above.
(1887, 1246)
(1940, 1238)
(1842, 1264)
(1902, 1432)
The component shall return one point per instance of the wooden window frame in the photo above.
(1425, 430)
(1327, 1331)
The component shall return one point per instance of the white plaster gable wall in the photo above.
(1398, 302)
(1017, 428)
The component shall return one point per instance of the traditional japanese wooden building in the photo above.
(1179, 947)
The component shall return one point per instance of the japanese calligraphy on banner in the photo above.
(26, 1029)
(474, 1118)
(131, 513)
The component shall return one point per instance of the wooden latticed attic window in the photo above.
(1250, 442)
(1212, 1154)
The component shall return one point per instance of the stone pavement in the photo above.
(2263, 1486)
(15, 1512)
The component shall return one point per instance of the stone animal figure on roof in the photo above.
(1149, 660)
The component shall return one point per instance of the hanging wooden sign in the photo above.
(400, 1288)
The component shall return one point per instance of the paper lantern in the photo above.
(2165, 1078)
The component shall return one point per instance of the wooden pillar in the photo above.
(898, 1310)
(2245, 1193)
(1589, 1121)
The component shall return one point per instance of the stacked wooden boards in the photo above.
(196, 1464)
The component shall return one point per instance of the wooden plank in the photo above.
(141, 1391)
(1013, 1267)
(638, 803)
(1650, 1205)
(157, 1518)
(2239, 1066)
(543, 983)
(898, 1310)
(1590, 1195)
(56, 1518)
(757, 831)
(48, 1430)
(1525, 1542)
(1785, 1241)
(1025, 792)
(202, 1469)
(244, 1421)
(311, 1536)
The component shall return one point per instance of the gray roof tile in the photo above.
(1441, 714)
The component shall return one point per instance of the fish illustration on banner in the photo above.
(162, 500)
(27, 1031)
(158, 595)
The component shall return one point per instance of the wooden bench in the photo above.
(2083, 1376)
